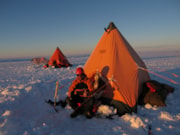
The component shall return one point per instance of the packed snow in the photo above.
(24, 86)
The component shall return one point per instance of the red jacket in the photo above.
(74, 84)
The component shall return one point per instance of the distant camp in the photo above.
(40, 60)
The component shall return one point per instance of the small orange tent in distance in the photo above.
(118, 63)
(58, 59)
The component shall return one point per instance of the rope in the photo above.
(161, 76)
(58, 77)
(64, 85)
(173, 74)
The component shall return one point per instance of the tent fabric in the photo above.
(58, 59)
(114, 57)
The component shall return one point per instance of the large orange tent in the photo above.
(58, 59)
(118, 62)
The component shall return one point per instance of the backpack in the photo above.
(155, 93)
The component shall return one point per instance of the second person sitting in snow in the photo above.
(79, 92)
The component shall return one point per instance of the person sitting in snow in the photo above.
(79, 91)
(83, 94)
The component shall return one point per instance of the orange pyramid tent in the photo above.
(58, 59)
(118, 62)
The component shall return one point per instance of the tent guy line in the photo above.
(173, 74)
(161, 76)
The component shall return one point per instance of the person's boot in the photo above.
(62, 103)
(88, 115)
(74, 114)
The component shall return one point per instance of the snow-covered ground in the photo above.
(24, 86)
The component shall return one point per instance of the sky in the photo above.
(34, 28)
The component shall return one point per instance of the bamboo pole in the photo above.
(55, 94)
